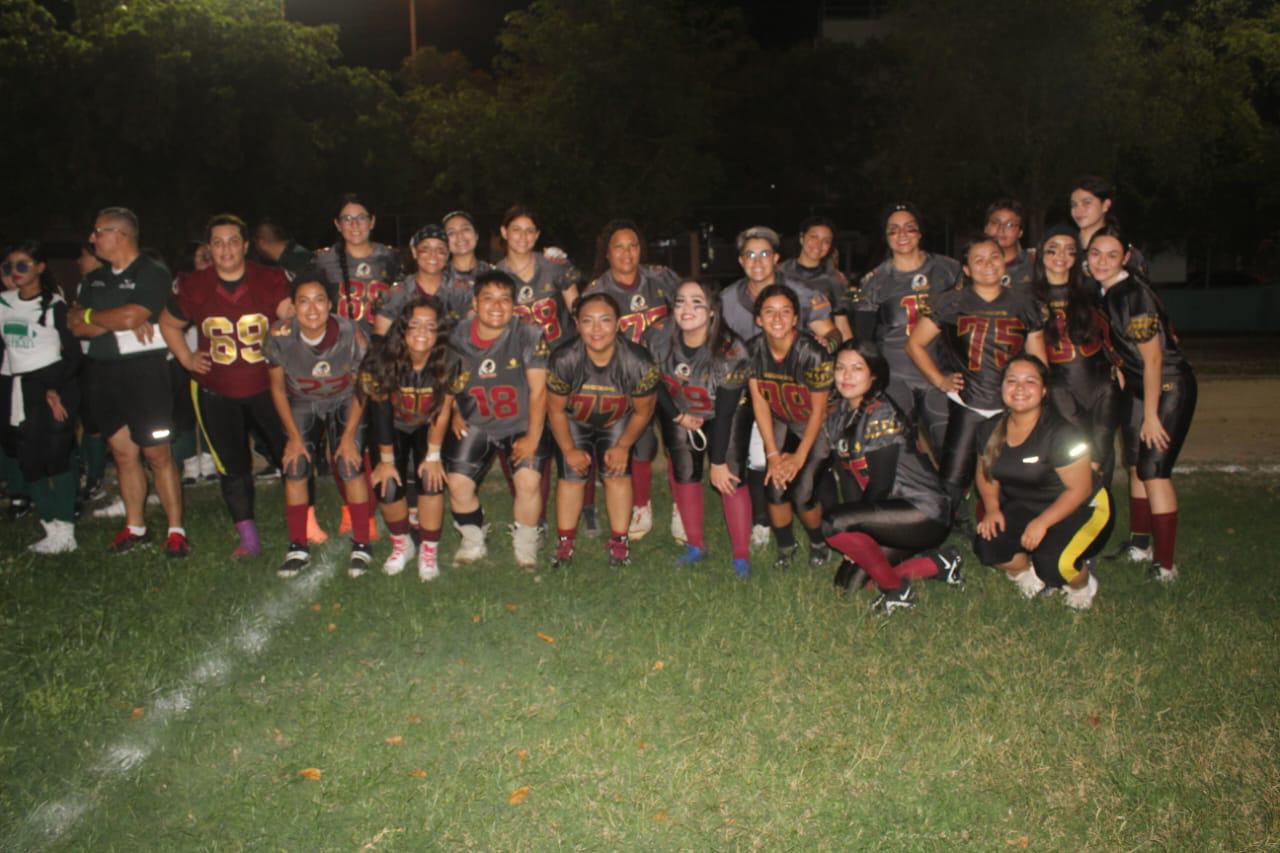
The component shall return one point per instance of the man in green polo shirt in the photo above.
(129, 388)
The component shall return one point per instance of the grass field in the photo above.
(151, 704)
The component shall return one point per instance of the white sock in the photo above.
(137, 531)
(181, 531)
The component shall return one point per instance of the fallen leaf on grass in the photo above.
(659, 666)
(137, 713)
(546, 638)
(394, 740)
(644, 745)
(414, 719)
(336, 607)
(522, 754)
(332, 627)
(518, 796)
(512, 608)
(1021, 841)
(312, 773)
(661, 816)
(315, 608)
(1093, 721)
(418, 773)
(476, 618)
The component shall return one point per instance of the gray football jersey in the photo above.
(323, 375)
(492, 390)
(739, 307)
(454, 294)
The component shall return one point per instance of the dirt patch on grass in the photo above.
(1237, 421)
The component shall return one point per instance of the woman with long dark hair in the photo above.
(359, 270)
(1045, 513)
(546, 290)
(39, 394)
(409, 381)
(894, 506)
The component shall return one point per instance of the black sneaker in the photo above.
(19, 507)
(361, 557)
(590, 525)
(897, 599)
(1135, 549)
(126, 541)
(819, 553)
(850, 576)
(948, 560)
(296, 561)
(785, 557)
(92, 491)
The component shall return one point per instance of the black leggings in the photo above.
(960, 451)
(901, 530)
(804, 490)
(225, 422)
(925, 405)
(687, 461)
(596, 441)
(1097, 411)
(1177, 406)
(410, 449)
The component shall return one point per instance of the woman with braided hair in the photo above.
(359, 270)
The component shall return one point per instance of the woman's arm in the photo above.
(918, 351)
(1077, 481)
(1153, 434)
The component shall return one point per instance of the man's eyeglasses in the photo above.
(353, 218)
(762, 254)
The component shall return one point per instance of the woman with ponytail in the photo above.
(359, 270)
(894, 505)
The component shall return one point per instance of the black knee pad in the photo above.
(298, 469)
(347, 470)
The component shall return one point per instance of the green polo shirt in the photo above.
(144, 282)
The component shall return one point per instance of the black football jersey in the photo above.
(895, 299)
(1072, 364)
(854, 436)
(828, 281)
(540, 298)
(367, 280)
(454, 294)
(982, 336)
(738, 306)
(645, 303)
(601, 396)
(415, 397)
(324, 374)
(692, 378)
(1028, 473)
(1136, 315)
(492, 390)
(788, 385)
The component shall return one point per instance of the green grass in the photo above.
(675, 709)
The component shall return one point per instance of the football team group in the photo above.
(870, 410)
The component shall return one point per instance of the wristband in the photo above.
(432, 456)
(387, 458)
(88, 312)
(433, 450)
(771, 455)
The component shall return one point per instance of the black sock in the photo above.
(815, 536)
(759, 505)
(476, 517)
(784, 537)
(1140, 540)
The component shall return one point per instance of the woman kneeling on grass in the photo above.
(894, 503)
(409, 380)
(1044, 513)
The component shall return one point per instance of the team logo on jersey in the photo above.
(683, 370)
(525, 295)
(638, 303)
(920, 281)
(513, 363)
(487, 369)
(842, 446)
(322, 368)
(1005, 280)
(363, 269)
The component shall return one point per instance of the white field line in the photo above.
(1226, 469)
(48, 822)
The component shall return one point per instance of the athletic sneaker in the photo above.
(92, 491)
(785, 557)
(428, 561)
(1129, 551)
(296, 561)
(742, 568)
(401, 554)
(19, 507)
(760, 535)
(176, 545)
(361, 557)
(564, 553)
(590, 525)
(677, 526)
(472, 548)
(819, 553)
(524, 542)
(903, 598)
(641, 522)
(191, 470)
(1163, 575)
(60, 538)
(315, 533)
(850, 576)
(692, 555)
(126, 541)
(1080, 599)
(948, 560)
(1029, 583)
(619, 550)
(115, 509)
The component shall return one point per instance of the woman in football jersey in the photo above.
(431, 277)
(1075, 337)
(983, 324)
(894, 506)
(460, 229)
(702, 417)
(360, 270)
(39, 394)
(409, 382)
(546, 290)
(790, 382)
(1160, 390)
(1045, 513)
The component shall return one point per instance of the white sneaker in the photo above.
(1140, 555)
(1029, 584)
(208, 468)
(401, 554)
(1164, 575)
(677, 526)
(115, 509)
(429, 561)
(760, 535)
(50, 540)
(1080, 599)
(641, 522)
(191, 470)
(472, 549)
(524, 541)
(60, 538)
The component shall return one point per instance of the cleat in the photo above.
(344, 526)
(692, 555)
(1080, 599)
(677, 526)
(759, 535)
(115, 509)
(785, 557)
(619, 550)
(176, 545)
(296, 561)
(1134, 554)
(850, 576)
(1029, 583)
(361, 557)
(401, 554)
(315, 533)
(819, 553)
(208, 468)
(92, 491)
(641, 522)
(1162, 575)
(126, 541)
(472, 549)
(191, 470)
(948, 559)
(590, 525)
(564, 553)
(428, 561)
(19, 507)
(60, 538)
(742, 568)
(524, 542)
(903, 598)
(1130, 550)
